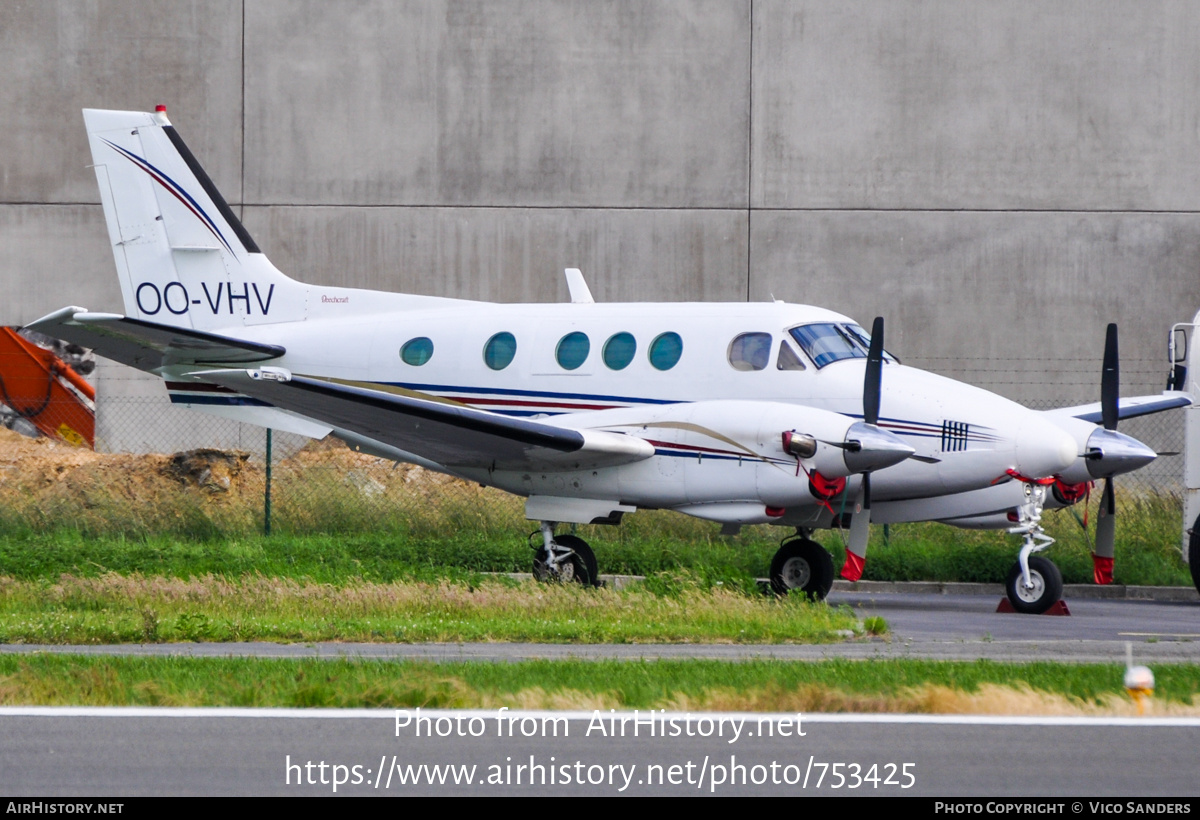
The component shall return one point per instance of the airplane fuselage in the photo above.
(712, 386)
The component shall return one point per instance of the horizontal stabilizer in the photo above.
(1127, 408)
(449, 434)
(146, 345)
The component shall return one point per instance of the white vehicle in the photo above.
(1184, 354)
(735, 413)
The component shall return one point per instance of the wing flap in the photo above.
(146, 345)
(448, 434)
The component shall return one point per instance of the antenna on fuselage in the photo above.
(578, 288)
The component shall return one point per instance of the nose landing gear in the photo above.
(1034, 583)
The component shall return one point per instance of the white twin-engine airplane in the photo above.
(735, 413)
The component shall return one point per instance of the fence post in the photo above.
(267, 491)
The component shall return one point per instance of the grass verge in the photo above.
(645, 544)
(894, 686)
(114, 608)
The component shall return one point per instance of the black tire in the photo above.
(802, 566)
(1047, 586)
(580, 566)
(1194, 553)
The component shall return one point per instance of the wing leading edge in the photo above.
(1127, 408)
(447, 434)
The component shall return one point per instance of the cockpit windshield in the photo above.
(827, 342)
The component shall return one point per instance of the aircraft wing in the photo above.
(1127, 408)
(146, 345)
(448, 434)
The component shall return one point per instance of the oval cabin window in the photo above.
(619, 351)
(665, 350)
(572, 350)
(499, 351)
(417, 351)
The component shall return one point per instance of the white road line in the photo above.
(754, 717)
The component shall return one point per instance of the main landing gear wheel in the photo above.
(1046, 590)
(577, 562)
(802, 565)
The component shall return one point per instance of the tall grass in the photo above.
(340, 515)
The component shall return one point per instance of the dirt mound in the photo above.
(39, 466)
(211, 470)
(40, 460)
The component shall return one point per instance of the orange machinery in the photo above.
(34, 384)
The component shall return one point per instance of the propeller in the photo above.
(1108, 454)
(1106, 520)
(860, 521)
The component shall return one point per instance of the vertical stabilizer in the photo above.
(182, 256)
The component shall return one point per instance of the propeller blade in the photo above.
(1110, 380)
(874, 374)
(1106, 532)
(860, 532)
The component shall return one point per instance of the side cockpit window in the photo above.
(788, 359)
(750, 351)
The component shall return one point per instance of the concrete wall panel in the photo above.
(544, 103)
(998, 179)
(1080, 105)
(60, 57)
(1015, 302)
(52, 256)
(511, 255)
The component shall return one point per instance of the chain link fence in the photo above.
(289, 483)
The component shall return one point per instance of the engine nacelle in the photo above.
(829, 443)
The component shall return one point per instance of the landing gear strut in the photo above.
(804, 566)
(1034, 584)
(564, 558)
